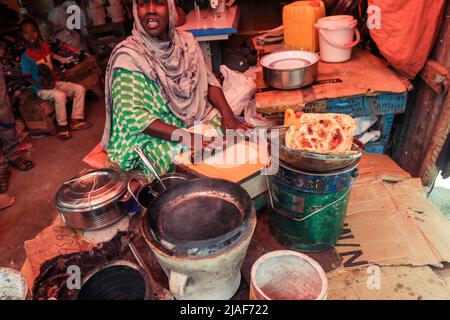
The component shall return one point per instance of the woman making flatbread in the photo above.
(157, 82)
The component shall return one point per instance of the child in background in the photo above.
(38, 52)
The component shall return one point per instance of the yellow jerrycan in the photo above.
(298, 22)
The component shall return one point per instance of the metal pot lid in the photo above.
(92, 190)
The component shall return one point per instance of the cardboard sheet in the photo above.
(364, 74)
(433, 225)
(55, 240)
(378, 230)
(386, 283)
(390, 222)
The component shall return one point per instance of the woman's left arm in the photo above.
(229, 121)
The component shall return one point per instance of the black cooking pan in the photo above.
(198, 215)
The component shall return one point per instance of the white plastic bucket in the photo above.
(336, 34)
(287, 275)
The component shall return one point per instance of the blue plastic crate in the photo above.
(385, 124)
(360, 106)
(378, 147)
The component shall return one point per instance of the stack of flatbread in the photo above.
(327, 133)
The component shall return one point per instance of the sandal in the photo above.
(62, 133)
(5, 173)
(21, 163)
(24, 147)
(6, 201)
(79, 125)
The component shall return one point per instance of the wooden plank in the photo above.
(429, 170)
(423, 111)
(436, 76)
(412, 141)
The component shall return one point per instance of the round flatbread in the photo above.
(322, 133)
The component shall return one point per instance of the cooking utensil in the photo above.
(290, 69)
(148, 192)
(94, 200)
(213, 212)
(308, 161)
(149, 165)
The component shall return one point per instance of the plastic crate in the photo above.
(360, 106)
(384, 124)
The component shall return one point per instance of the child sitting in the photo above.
(38, 52)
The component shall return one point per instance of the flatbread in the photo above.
(322, 133)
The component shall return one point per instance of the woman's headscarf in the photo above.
(177, 66)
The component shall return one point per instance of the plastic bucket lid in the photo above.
(336, 22)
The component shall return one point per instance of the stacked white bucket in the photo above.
(96, 12)
(336, 37)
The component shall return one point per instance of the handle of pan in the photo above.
(149, 165)
(315, 211)
(130, 191)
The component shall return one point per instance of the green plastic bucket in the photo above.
(308, 209)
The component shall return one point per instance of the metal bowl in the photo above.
(280, 71)
(313, 162)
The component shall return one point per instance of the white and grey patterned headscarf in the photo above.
(177, 66)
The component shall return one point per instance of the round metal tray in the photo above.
(313, 162)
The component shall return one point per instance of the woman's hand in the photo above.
(231, 123)
(195, 141)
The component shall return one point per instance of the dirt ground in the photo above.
(56, 161)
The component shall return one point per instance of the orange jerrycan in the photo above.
(298, 21)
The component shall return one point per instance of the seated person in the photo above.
(38, 52)
(156, 83)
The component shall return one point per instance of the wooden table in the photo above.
(209, 30)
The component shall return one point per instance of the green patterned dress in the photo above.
(137, 101)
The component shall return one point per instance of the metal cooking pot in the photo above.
(94, 200)
(199, 217)
(149, 192)
(290, 69)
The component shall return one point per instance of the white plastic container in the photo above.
(336, 34)
(287, 275)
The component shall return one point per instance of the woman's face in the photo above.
(154, 17)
